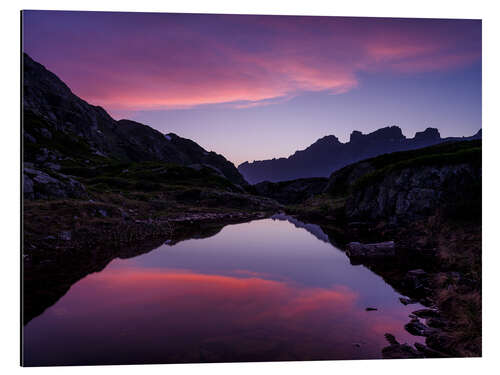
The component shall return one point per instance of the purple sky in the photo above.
(257, 87)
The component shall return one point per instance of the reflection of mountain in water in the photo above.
(314, 229)
(46, 283)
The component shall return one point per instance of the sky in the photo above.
(258, 87)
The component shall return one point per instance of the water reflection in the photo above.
(314, 229)
(258, 291)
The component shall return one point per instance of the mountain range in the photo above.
(328, 154)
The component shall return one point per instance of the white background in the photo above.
(10, 171)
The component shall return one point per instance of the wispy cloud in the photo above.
(167, 61)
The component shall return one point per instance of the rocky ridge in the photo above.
(328, 154)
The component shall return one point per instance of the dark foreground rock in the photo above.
(358, 250)
(407, 301)
(399, 351)
(416, 279)
(426, 313)
(417, 328)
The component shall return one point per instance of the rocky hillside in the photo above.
(328, 154)
(53, 114)
(405, 186)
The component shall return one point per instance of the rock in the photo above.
(28, 191)
(407, 301)
(454, 277)
(409, 194)
(440, 342)
(358, 250)
(43, 155)
(428, 352)
(416, 279)
(402, 351)
(46, 133)
(123, 213)
(99, 153)
(437, 323)
(65, 236)
(40, 185)
(399, 351)
(417, 328)
(426, 313)
(28, 137)
(371, 309)
(391, 339)
(53, 166)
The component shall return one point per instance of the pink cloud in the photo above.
(163, 61)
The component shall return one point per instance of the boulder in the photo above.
(40, 185)
(426, 313)
(417, 328)
(399, 351)
(407, 301)
(358, 250)
(440, 341)
(437, 322)
(428, 352)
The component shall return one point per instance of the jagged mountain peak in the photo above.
(327, 154)
(429, 133)
(389, 133)
(327, 139)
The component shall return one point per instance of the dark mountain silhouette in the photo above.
(49, 100)
(328, 154)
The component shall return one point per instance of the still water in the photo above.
(266, 290)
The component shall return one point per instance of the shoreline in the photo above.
(416, 272)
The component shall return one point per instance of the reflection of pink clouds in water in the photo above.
(226, 317)
(257, 291)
